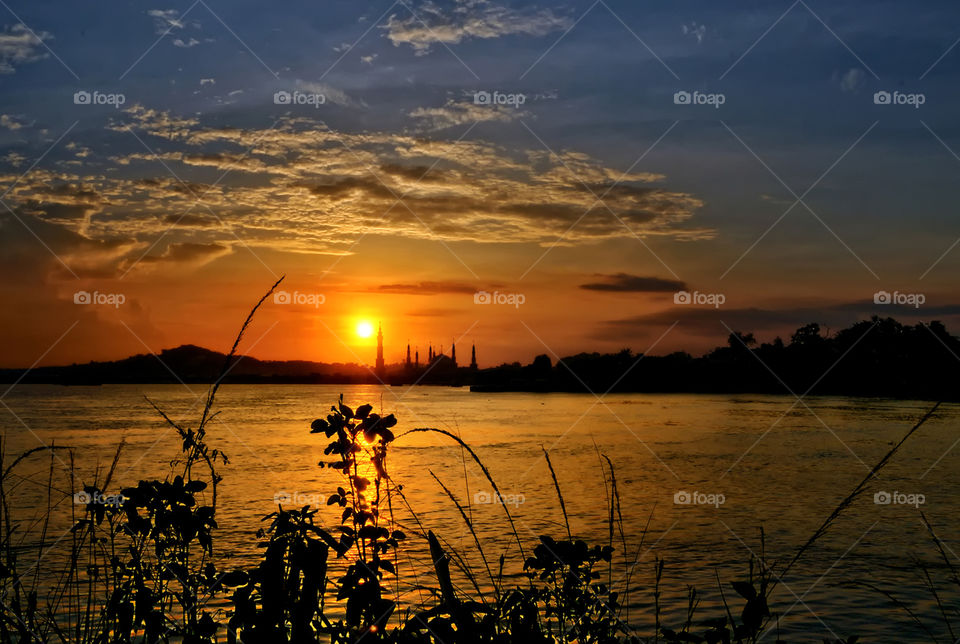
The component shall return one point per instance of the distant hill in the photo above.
(190, 364)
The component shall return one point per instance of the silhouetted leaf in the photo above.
(744, 589)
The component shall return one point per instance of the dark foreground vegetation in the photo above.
(877, 357)
(143, 565)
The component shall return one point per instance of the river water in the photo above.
(699, 477)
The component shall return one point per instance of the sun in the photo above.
(364, 329)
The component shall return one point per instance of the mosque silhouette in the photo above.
(437, 367)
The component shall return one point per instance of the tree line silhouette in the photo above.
(876, 357)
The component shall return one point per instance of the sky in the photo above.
(530, 178)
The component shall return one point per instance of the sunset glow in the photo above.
(364, 329)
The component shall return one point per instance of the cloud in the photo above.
(416, 173)
(695, 31)
(625, 283)
(18, 44)
(60, 201)
(851, 80)
(300, 187)
(194, 254)
(15, 159)
(427, 288)
(78, 150)
(464, 113)
(155, 122)
(13, 122)
(169, 21)
(330, 94)
(67, 254)
(165, 20)
(224, 160)
(193, 221)
(368, 60)
(468, 19)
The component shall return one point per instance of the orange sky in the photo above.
(419, 290)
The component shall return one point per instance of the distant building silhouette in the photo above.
(380, 367)
(438, 367)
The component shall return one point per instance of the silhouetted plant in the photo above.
(574, 606)
(357, 433)
(281, 599)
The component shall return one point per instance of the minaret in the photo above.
(417, 358)
(408, 355)
(473, 357)
(453, 354)
(380, 369)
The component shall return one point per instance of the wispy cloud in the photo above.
(12, 122)
(18, 45)
(468, 19)
(330, 94)
(301, 188)
(186, 253)
(426, 288)
(454, 113)
(694, 30)
(165, 20)
(625, 283)
(170, 21)
(852, 80)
